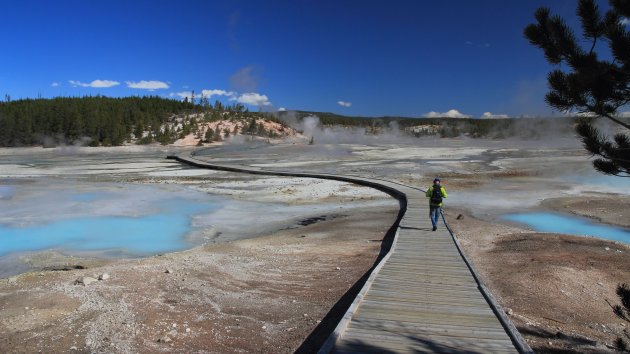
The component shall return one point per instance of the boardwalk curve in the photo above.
(423, 296)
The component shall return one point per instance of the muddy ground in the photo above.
(558, 289)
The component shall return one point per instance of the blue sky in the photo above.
(406, 58)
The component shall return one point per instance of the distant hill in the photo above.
(494, 128)
(106, 121)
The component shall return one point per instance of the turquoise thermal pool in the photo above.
(564, 224)
(127, 220)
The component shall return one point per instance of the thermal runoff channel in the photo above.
(123, 219)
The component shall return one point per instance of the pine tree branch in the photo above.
(627, 126)
(593, 46)
(611, 158)
(591, 109)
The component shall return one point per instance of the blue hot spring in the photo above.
(127, 220)
(564, 224)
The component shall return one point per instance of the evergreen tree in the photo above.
(106, 121)
(139, 130)
(205, 103)
(260, 129)
(186, 128)
(209, 137)
(593, 86)
(251, 128)
(193, 124)
(623, 312)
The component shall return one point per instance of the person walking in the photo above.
(436, 192)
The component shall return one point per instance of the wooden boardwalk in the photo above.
(423, 297)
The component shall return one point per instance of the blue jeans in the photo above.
(434, 213)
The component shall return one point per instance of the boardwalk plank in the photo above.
(431, 332)
(397, 343)
(414, 327)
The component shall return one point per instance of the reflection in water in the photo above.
(563, 224)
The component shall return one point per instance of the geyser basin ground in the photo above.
(136, 203)
(224, 292)
(251, 295)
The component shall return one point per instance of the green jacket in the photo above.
(430, 193)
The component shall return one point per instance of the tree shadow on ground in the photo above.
(420, 345)
(545, 334)
(564, 343)
(412, 338)
(410, 341)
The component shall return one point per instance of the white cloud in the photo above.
(453, 113)
(254, 99)
(54, 84)
(625, 21)
(488, 115)
(205, 93)
(147, 85)
(250, 98)
(281, 109)
(95, 83)
(215, 92)
(344, 103)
